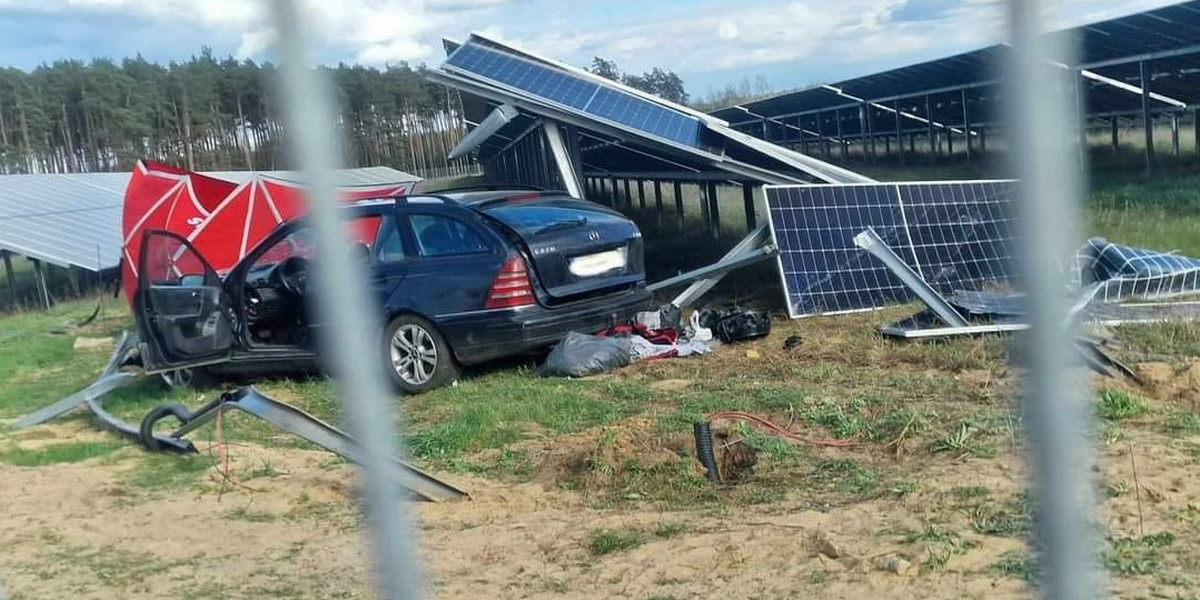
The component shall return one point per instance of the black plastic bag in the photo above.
(580, 355)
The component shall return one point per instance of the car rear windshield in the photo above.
(544, 212)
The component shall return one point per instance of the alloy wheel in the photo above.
(414, 354)
(178, 378)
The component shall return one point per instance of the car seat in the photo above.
(437, 239)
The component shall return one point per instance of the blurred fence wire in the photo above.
(1042, 111)
(343, 302)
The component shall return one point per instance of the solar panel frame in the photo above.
(566, 90)
(956, 241)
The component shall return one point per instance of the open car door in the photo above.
(180, 306)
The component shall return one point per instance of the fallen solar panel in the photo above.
(953, 235)
(1107, 277)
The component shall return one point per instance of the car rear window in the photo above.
(531, 216)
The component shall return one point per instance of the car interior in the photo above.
(274, 293)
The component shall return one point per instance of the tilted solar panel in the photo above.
(955, 235)
(573, 92)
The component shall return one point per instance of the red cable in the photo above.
(769, 427)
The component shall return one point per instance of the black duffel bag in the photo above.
(737, 324)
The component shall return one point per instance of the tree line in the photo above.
(209, 113)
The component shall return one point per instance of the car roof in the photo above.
(470, 197)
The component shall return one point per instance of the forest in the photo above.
(211, 113)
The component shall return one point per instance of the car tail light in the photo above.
(511, 287)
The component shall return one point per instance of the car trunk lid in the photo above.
(578, 248)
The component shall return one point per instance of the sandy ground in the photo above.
(76, 530)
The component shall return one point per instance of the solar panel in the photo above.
(74, 219)
(573, 92)
(1114, 273)
(955, 235)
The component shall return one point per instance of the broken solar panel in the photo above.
(955, 235)
(570, 91)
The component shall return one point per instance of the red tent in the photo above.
(223, 220)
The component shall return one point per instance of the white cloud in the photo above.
(370, 31)
(734, 35)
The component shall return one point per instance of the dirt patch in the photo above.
(670, 385)
(589, 459)
(1173, 383)
(91, 344)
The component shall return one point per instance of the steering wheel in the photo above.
(293, 274)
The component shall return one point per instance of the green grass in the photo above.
(1115, 404)
(846, 476)
(1013, 518)
(607, 541)
(970, 492)
(53, 454)
(1173, 338)
(1137, 556)
(37, 362)
(472, 416)
(168, 471)
(1179, 421)
(1019, 564)
(670, 529)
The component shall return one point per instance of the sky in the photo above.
(710, 43)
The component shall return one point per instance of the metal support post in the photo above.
(966, 125)
(1175, 133)
(658, 203)
(1147, 120)
(679, 214)
(714, 209)
(932, 135)
(748, 203)
(1114, 124)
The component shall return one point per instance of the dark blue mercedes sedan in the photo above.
(463, 277)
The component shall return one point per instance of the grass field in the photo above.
(590, 488)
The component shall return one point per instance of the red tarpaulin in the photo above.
(222, 220)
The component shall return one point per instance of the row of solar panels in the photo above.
(74, 219)
(1169, 36)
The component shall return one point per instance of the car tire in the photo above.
(416, 356)
(186, 378)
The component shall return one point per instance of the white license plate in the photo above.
(599, 263)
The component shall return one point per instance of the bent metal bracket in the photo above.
(423, 486)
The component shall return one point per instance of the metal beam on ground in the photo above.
(901, 332)
(871, 242)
